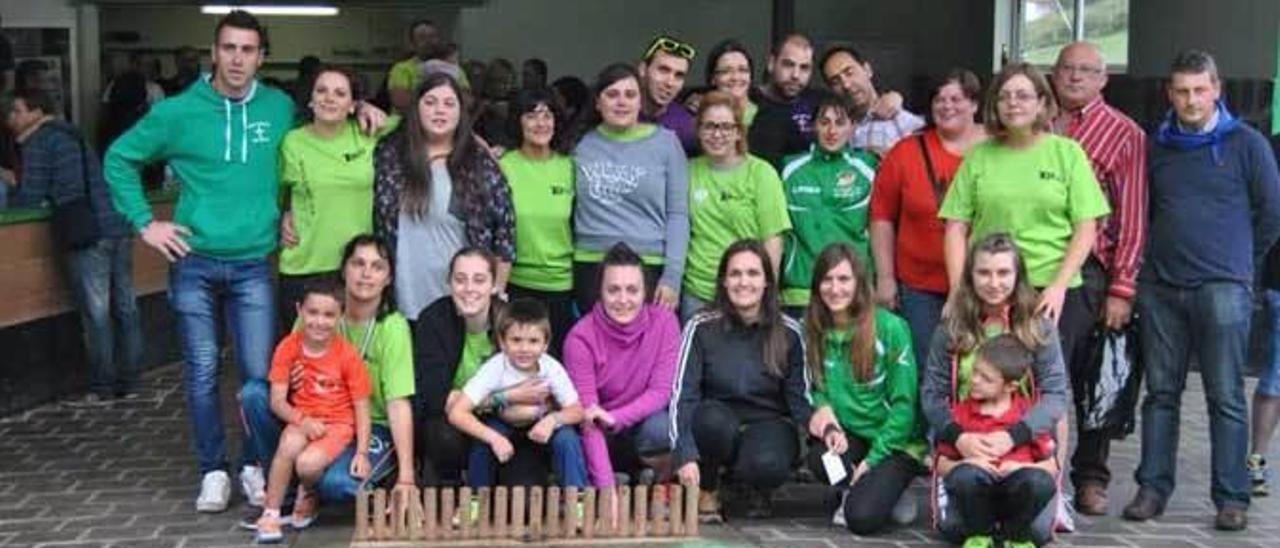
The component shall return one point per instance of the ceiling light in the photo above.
(314, 11)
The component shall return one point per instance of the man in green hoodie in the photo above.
(221, 138)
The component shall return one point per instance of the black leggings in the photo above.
(759, 454)
(870, 501)
(986, 502)
(441, 451)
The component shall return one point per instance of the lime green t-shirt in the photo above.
(726, 205)
(330, 186)
(1036, 194)
(405, 75)
(476, 348)
(542, 194)
(749, 114)
(387, 350)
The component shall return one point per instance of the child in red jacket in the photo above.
(985, 487)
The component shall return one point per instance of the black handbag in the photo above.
(74, 224)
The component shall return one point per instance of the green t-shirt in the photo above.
(405, 75)
(476, 348)
(542, 194)
(1036, 194)
(726, 205)
(330, 186)
(882, 410)
(749, 112)
(387, 351)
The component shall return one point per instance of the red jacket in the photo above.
(967, 415)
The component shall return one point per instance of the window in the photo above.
(1047, 25)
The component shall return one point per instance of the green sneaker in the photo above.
(979, 541)
(1019, 544)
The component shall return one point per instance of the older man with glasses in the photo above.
(1117, 151)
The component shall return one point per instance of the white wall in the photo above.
(1241, 34)
(580, 37)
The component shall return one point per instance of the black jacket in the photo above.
(776, 131)
(437, 347)
(720, 361)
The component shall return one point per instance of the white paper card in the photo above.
(834, 467)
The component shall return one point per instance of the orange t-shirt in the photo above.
(323, 387)
(903, 194)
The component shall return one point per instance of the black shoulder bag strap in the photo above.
(938, 191)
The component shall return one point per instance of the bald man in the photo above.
(1116, 148)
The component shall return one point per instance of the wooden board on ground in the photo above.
(504, 516)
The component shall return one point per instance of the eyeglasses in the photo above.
(1021, 97)
(732, 70)
(670, 45)
(1078, 69)
(727, 128)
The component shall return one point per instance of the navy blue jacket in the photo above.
(1213, 213)
(52, 174)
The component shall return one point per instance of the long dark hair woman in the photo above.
(741, 392)
(437, 190)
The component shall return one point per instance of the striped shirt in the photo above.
(1117, 149)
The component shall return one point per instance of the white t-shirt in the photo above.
(497, 373)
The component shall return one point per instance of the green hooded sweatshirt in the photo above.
(225, 154)
(828, 197)
(883, 410)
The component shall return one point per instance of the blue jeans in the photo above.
(923, 310)
(101, 280)
(1269, 380)
(1211, 321)
(338, 485)
(200, 288)
(567, 460)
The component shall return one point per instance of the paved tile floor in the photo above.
(123, 476)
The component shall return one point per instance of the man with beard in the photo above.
(783, 125)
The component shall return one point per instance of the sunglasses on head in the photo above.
(670, 45)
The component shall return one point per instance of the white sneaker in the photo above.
(215, 490)
(1066, 514)
(837, 519)
(253, 485)
(905, 510)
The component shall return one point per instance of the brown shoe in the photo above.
(1146, 505)
(1231, 518)
(709, 507)
(1091, 499)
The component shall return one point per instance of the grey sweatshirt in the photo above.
(633, 191)
(1047, 370)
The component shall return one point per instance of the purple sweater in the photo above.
(626, 369)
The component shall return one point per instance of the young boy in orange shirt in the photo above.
(320, 389)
